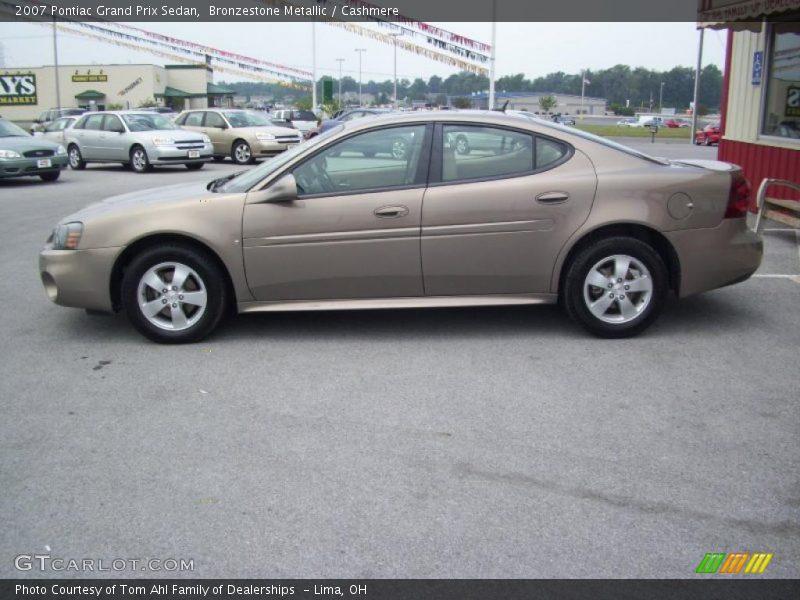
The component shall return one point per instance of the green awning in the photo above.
(90, 95)
(219, 90)
(171, 92)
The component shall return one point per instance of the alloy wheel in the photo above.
(172, 296)
(242, 153)
(617, 289)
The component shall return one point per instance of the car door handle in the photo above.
(552, 197)
(390, 212)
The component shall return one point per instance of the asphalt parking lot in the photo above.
(493, 442)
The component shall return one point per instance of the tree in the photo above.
(547, 103)
(304, 103)
(462, 102)
(147, 103)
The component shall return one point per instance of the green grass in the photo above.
(639, 132)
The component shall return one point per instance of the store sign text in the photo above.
(17, 90)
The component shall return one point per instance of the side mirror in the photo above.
(283, 190)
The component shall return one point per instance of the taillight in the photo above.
(739, 197)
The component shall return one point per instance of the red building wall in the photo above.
(760, 161)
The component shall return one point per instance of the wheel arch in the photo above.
(159, 239)
(646, 234)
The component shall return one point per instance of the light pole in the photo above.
(55, 62)
(661, 98)
(360, 52)
(395, 35)
(583, 89)
(493, 55)
(314, 65)
(696, 95)
(340, 61)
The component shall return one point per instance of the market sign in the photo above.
(18, 90)
(719, 13)
(88, 78)
(793, 101)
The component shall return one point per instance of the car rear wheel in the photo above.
(241, 153)
(707, 141)
(52, 176)
(399, 148)
(174, 294)
(75, 158)
(194, 166)
(616, 287)
(139, 161)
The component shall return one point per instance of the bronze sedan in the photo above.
(534, 213)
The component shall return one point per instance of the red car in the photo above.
(708, 135)
(675, 123)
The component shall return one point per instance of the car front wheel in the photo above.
(174, 294)
(241, 153)
(76, 159)
(51, 176)
(139, 161)
(616, 288)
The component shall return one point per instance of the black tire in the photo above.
(708, 141)
(140, 162)
(51, 176)
(575, 300)
(462, 145)
(211, 277)
(219, 158)
(194, 166)
(76, 161)
(241, 153)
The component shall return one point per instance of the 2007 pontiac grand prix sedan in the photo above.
(535, 213)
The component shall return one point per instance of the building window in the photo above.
(782, 105)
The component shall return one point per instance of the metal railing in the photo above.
(769, 208)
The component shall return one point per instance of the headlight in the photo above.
(163, 141)
(10, 154)
(60, 151)
(265, 137)
(67, 236)
(206, 139)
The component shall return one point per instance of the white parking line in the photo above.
(778, 276)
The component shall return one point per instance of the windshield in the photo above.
(8, 129)
(245, 181)
(604, 141)
(240, 118)
(148, 122)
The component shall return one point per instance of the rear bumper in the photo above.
(78, 278)
(716, 257)
(26, 167)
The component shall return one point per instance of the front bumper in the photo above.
(716, 257)
(170, 155)
(78, 278)
(26, 167)
(272, 148)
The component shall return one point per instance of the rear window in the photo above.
(603, 141)
(303, 115)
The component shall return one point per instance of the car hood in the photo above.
(26, 143)
(133, 201)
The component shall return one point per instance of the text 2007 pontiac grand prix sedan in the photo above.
(534, 213)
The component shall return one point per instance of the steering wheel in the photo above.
(322, 177)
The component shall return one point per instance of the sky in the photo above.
(531, 48)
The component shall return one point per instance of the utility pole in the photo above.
(661, 98)
(493, 55)
(583, 89)
(313, 66)
(360, 52)
(55, 63)
(340, 61)
(695, 100)
(395, 35)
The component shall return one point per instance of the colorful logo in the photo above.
(731, 564)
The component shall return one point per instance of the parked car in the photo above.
(23, 155)
(54, 131)
(138, 139)
(676, 123)
(303, 120)
(628, 123)
(48, 116)
(560, 215)
(243, 135)
(708, 135)
(562, 120)
(350, 114)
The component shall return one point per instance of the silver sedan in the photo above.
(140, 139)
